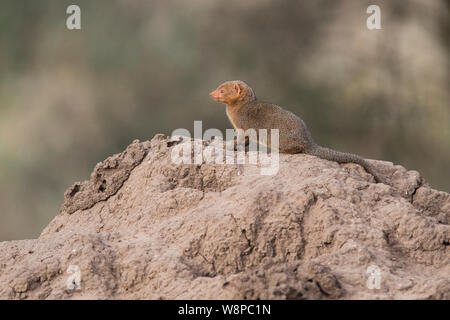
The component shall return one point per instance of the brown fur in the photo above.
(245, 112)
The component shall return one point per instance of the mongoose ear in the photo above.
(237, 88)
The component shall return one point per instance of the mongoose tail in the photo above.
(341, 157)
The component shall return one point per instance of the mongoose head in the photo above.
(232, 92)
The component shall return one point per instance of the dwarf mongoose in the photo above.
(245, 112)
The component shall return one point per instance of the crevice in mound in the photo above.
(75, 189)
(321, 290)
(189, 259)
(301, 223)
(102, 187)
(197, 270)
(419, 184)
(243, 232)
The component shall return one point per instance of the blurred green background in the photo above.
(69, 99)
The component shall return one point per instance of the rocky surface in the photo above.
(143, 227)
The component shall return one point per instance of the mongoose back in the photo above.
(245, 112)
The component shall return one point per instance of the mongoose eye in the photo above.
(222, 91)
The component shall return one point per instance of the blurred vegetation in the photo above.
(69, 99)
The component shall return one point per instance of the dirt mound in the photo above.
(143, 227)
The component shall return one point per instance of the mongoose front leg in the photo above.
(238, 139)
